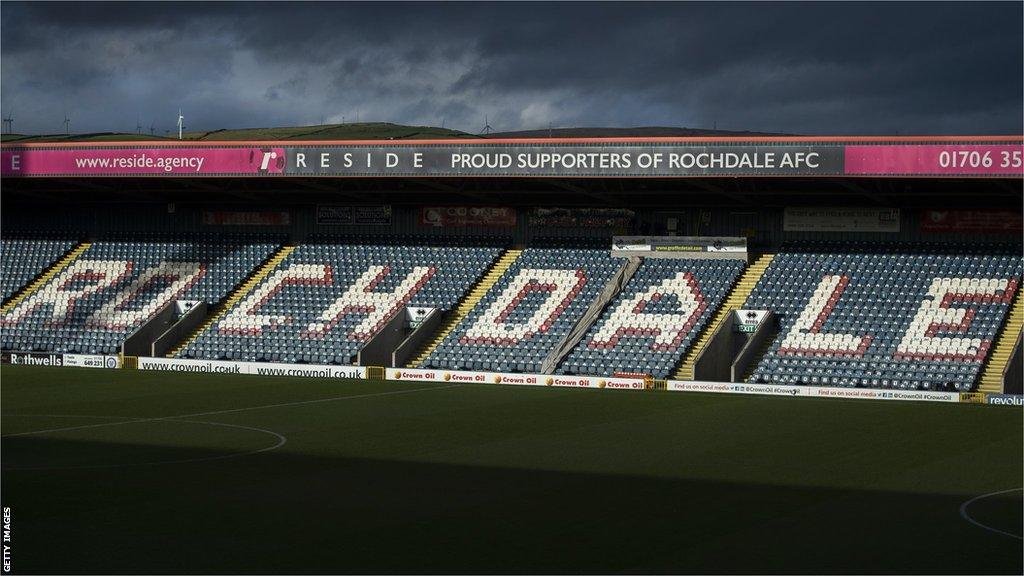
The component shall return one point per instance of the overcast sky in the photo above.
(823, 68)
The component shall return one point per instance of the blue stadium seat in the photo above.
(899, 320)
(28, 255)
(652, 322)
(528, 311)
(327, 298)
(118, 283)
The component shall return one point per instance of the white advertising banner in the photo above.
(558, 380)
(873, 394)
(91, 361)
(680, 246)
(733, 388)
(55, 359)
(256, 368)
(811, 391)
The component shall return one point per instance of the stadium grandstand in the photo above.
(875, 275)
(720, 267)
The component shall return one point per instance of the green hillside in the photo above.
(96, 137)
(374, 131)
(360, 131)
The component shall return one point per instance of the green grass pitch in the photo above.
(125, 471)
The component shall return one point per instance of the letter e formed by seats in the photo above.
(924, 339)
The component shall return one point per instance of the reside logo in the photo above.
(267, 157)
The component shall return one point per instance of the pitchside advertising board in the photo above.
(255, 368)
(54, 359)
(812, 391)
(511, 379)
(1005, 399)
(555, 380)
(593, 158)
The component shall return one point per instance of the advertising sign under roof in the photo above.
(570, 158)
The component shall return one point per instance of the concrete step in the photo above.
(735, 300)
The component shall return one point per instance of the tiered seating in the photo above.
(118, 283)
(653, 321)
(527, 312)
(904, 321)
(325, 300)
(27, 255)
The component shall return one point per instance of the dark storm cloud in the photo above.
(797, 67)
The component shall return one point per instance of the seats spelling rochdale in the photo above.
(116, 285)
(326, 299)
(528, 311)
(27, 255)
(903, 321)
(652, 322)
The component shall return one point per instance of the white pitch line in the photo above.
(963, 513)
(282, 405)
(281, 441)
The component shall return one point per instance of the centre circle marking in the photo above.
(280, 440)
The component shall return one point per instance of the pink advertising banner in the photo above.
(143, 161)
(978, 158)
(935, 159)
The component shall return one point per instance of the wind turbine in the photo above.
(487, 126)
(67, 124)
(138, 125)
(9, 124)
(181, 123)
(151, 128)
